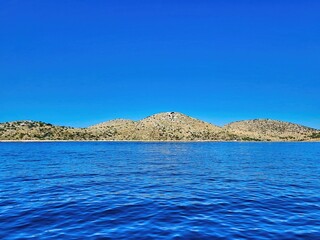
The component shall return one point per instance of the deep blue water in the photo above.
(116, 190)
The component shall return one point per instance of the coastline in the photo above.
(164, 127)
(152, 141)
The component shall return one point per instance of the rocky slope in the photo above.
(175, 126)
(271, 130)
(34, 130)
(118, 129)
(163, 126)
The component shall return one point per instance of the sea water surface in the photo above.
(117, 190)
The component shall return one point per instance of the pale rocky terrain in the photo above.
(169, 126)
(162, 126)
(118, 129)
(271, 130)
(174, 126)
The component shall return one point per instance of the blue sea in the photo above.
(118, 190)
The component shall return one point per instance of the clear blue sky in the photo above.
(77, 62)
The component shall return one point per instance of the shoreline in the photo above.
(153, 141)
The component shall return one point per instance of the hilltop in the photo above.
(162, 126)
(167, 126)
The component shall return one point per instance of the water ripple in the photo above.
(160, 191)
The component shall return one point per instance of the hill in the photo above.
(118, 129)
(175, 126)
(271, 130)
(168, 126)
(162, 126)
(35, 130)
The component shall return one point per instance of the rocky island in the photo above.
(169, 126)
